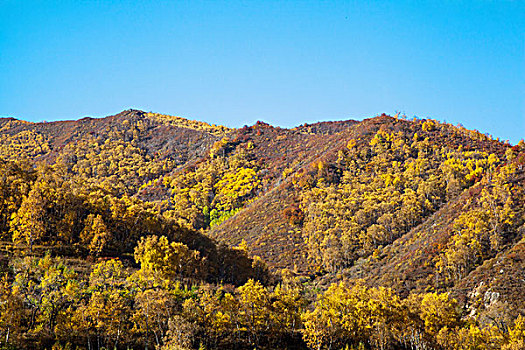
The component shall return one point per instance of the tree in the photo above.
(95, 234)
(156, 300)
(438, 311)
(107, 308)
(254, 310)
(516, 335)
(11, 313)
(48, 287)
(352, 315)
(180, 334)
(27, 224)
(170, 260)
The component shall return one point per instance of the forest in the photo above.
(148, 231)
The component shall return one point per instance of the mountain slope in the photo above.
(260, 236)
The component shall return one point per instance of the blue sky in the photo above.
(284, 62)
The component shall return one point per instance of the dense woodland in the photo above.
(147, 231)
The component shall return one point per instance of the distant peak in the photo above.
(131, 111)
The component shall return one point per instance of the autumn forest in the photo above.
(148, 231)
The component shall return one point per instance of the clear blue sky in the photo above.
(284, 62)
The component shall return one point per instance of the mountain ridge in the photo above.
(417, 206)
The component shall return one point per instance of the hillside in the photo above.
(256, 234)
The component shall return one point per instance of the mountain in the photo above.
(416, 206)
